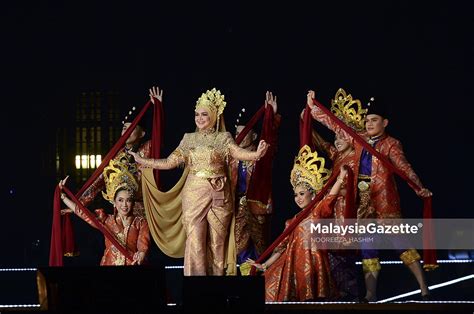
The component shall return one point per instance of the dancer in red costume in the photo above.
(130, 230)
(298, 269)
(379, 183)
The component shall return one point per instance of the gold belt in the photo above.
(207, 173)
(364, 182)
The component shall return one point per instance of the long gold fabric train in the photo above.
(163, 211)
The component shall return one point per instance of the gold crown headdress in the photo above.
(309, 169)
(349, 110)
(119, 175)
(212, 100)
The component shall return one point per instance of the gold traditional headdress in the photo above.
(309, 170)
(213, 101)
(349, 110)
(119, 175)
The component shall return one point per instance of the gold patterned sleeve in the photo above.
(236, 151)
(175, 159)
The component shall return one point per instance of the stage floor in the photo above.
(451, 285)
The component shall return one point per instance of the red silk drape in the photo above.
(429, 256)
(305, 129)
(260, 185)
(58, 235)
(56, 245)
(157, 136)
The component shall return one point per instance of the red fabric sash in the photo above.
(260, 185)
(57, 234)
(305, 129)
(429, 256)
(250, 125)
(56, 245)
(157, 136)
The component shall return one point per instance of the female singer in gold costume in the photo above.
(206, 198)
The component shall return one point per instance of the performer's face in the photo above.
(202, 118)
(136, 135)
(342, 144)
(302, 196)
(123, 203)
(375, 125)
(248, 139)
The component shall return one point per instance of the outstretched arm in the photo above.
(398, 159)
(243, 154)
(322, 117)
(267, 263)
(73, 208)
(171, 162)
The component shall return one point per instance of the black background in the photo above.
(419, 54)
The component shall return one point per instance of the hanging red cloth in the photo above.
(260, 186)
(157, 136)
(305, 129)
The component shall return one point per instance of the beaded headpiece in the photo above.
(119, 174)
(240, 116)
(309, 170)
(349, 110)
(129, 116)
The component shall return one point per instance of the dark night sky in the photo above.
(419, 55)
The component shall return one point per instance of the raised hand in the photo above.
(63, 182)
(309, 98)
(155, 92)
(424, 192)
(272, 100)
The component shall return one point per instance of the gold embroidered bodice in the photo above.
(205, 153)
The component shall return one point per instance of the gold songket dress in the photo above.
(206, 201)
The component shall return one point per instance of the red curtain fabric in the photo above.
(67, 236)
(56, 245)
(67, 229)
(429, 256)
(305, 129)
(350, 211)
(260, 185)
(250, 125)
(157, 136)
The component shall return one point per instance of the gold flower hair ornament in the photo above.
(117, 176)
(309, 170)
(349, 110)
(212, 100)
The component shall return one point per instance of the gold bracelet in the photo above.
(341, 181)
